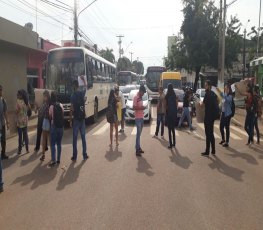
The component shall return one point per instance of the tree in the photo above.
(124, 64)
(108, 55)
(137, 67)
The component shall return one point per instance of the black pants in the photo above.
(257, 130)
(39, 133)
(225, 124)
(160, 121)
(171, 131)
(210, 138)
(3, 140)
(22, 134)
(249, 125)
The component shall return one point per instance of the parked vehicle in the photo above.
(173, 78)
(129, 116)
(127, 89)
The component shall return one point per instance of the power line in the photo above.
(57, 6)
(63, 3)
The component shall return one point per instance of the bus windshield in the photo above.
(124, 79)
(177, 84)
(63, 68)
(152, 80)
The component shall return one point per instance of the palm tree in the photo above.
(108, 55)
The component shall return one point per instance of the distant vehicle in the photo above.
(180, 95)
(127, 78)
(152, 78)
(94, 74)
(129, 116)
(200, 94)
(127, 89)
(171, 77)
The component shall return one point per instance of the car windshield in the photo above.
(127, 89)
(177, 84)
(133, 93)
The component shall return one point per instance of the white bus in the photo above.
(64, 65)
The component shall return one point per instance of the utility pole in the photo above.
(220, 41)
(75, 23)
(36, 15)
(131, 56)
(223, 44)
(259, 21)
(120, 42)
(244, 54)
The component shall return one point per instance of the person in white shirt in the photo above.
(123, 106)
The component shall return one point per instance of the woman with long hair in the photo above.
(22, 121)
(112, 106)
(45, 125)
(258, 112)
(171, 114)
(226, 115)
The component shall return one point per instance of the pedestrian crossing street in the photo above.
(236, 133)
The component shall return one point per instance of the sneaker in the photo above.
(58, 162)
(73, 159)
(221, 142)
(1, 189)
(141, 151)
(52, 164)
(213, 152)
(4, 157)
(226, 145)
(138, 154)
(86, 158)
(205, 154)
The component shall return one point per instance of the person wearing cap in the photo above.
(138, 108)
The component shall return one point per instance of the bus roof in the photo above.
(91, 54)
(156, 69)
(171, 75)
(257, 62)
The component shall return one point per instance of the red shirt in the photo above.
(138, 103)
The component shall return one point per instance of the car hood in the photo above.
(130, 103)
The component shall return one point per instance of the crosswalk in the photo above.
(236, 133)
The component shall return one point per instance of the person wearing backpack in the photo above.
(258, 110)
(251, 112)
(77, 119)
(226, 115)
(56, 114)
(211, 113)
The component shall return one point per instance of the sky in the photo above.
(145, 24)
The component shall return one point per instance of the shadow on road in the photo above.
(69, 176)
(250, 159)
(225, 169)
(257, 149)
(144, 166)
(33, 156)
(11, 160)
(122, 137)
(113, 155)
(181, 161)
(39, 176)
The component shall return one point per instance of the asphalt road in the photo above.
(164, 189)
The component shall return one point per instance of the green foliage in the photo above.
(137, 67)
(124, 64)
(108, 55)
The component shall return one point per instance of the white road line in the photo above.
(238, 130)
(134, 130)
(232, 135)
(153, 127)
(201, 125)
(101, 130)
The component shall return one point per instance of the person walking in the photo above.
(45, 124)
(2, 111)
(186, 110)
(56, 114)
(22, 121)
(41, 114)
(77, 118)
(258, 111)
(211, 109)
(160, 113)
(226, 115)
(138, 108)
(112, 107)
(4, 123)
(250, 112)
(171, 114)
(123, 107)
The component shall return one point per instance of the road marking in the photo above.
(153, 127)
(134, 131)
(232, 135)
(238, 130)
(201, 125)
(101, 130)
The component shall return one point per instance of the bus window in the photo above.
(89, 67)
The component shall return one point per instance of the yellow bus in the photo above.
(171, 77)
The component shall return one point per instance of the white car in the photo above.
(201, 94)
(127, 89)
(129, 116)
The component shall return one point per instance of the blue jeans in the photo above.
(249, 125)
(22, 135)
(79, 126)
(160, 121)
(186, 113)
(1, 179)
(139, 125)
(56, 138)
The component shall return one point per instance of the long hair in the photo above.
(111, 96)
(250, 89)
(170, 91)
(47, 94)
(53, 98)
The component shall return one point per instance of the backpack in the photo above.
(79, 107)
(58, 116)
(233, 108)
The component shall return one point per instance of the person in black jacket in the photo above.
(210, 101)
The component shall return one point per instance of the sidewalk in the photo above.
(239, 120)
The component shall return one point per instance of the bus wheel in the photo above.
(96, 112)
